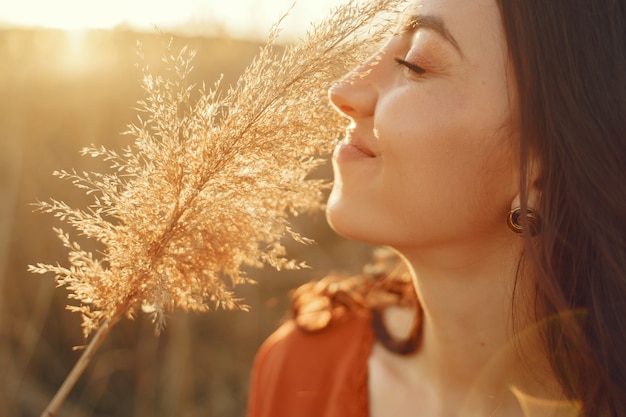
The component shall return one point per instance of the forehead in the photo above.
(474, 24)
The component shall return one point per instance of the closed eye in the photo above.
(411, 67)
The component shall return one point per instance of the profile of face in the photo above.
(430, 157)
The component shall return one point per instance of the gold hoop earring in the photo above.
(514, 222)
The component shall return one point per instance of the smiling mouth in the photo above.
(350, 150)
(361, 149)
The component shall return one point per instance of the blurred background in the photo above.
(67, 80)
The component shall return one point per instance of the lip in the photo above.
(352, 149)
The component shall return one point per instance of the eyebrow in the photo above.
(434, 23)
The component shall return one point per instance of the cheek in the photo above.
(425, 136)
(444, 126)
(443, 149)
(421, 110)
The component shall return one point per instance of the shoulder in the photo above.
(290, 342)
(302, 371)
(316, 364)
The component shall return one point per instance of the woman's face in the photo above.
(429, 158)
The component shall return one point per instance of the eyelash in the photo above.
(411, 67)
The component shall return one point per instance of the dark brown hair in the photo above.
(569, 62)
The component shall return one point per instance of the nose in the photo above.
(355, 95)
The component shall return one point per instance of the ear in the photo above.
(533, 185)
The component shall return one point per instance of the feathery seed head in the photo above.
(209, 184)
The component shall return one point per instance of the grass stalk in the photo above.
(80, 366)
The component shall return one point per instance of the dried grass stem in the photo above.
(79, 367)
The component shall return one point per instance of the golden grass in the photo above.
(210, 183)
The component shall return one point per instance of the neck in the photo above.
(478, 338)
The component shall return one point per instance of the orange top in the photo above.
(313, 374)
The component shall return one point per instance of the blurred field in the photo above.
(59, 92)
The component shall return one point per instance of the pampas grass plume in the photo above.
(209, 184)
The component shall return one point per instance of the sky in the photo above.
(242, 18)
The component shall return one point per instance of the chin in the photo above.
(350, 223)
(355, 216)
(340, 219)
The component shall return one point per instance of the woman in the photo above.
(488, 149)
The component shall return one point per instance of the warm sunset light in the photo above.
(72, 76)
(245, 18)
